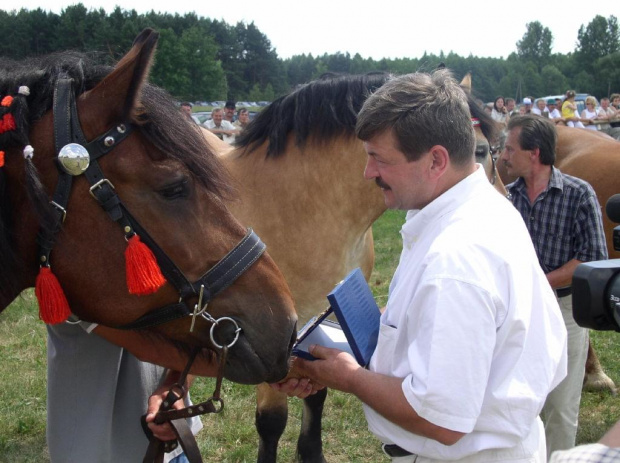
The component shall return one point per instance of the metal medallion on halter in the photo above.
(74, 159)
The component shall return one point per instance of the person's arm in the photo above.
(601, 115)
(563, 276)
(339, 370)
(589, 239)
(612, 437)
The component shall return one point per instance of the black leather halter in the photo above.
(67, 130)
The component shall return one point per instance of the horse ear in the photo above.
(117, 96)
(466, 82)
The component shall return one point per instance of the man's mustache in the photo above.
(380, 183)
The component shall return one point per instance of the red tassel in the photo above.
(53, 305)
(143, 273)
(1, 158)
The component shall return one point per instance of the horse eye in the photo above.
(176, 190)
(482, 151)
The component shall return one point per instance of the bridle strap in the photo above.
(217, 279)
(67, 130)
(177, 418)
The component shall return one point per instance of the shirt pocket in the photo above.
(384, 358)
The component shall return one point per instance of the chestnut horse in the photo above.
(163, 184)
(299, 170)
(590, 156)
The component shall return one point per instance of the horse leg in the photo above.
(595, 378)
(271, 416)
(309, 444)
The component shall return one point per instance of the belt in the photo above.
(563, 292)
(393, 450)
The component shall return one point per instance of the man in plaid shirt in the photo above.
(564, 219)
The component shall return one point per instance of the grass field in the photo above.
(230, 436)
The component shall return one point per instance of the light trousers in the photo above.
(561, 410)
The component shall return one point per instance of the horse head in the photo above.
(158, 180)
(485, 129)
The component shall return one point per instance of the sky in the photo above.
(380, 29)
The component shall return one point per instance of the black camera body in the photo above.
(596, 295)
(596, 285)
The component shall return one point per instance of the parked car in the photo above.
(200, 117)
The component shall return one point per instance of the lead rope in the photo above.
(177, 418)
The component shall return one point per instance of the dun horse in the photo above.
(299, 170)
(149, 170)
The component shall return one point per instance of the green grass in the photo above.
(230, 436)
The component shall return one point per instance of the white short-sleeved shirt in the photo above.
(471, 324)
(210, 124)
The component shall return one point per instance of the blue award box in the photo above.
(358, 316)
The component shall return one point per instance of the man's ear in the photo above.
(440, 160)
(535, 154)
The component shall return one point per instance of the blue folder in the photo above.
(358, 316)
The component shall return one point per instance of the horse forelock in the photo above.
(322, 109)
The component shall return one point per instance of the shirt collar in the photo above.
(555, 181)
(417, 219)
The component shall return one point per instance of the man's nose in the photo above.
(370, 171)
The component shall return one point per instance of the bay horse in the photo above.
(299, 170)
(595, 158)
(148, 169)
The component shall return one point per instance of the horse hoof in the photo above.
(599, 382)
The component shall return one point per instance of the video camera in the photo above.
(596, 285)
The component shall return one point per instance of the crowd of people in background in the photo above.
(226, 123)
(603, 117)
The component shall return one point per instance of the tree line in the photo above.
(201, 59)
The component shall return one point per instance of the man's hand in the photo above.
(333, 368)
(164, 432)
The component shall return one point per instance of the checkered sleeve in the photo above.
(590, 241)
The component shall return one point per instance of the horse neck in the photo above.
(313, 209)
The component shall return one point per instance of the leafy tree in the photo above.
(207, 79)
(553, 81)
(535, 46)
(170, 69)
(601, 37)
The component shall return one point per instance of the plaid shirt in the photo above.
(565, 221)
(591, 453)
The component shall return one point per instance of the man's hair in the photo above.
(241, 111)
(422, 110)
(536, 132)
(186, 103)
(613, 96)
(604, 99)
(216, 110)
(506, 100)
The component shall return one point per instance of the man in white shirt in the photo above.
(541, 108)
(220, 127)
(472, 339)
(554, 113)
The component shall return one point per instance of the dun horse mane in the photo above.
(324, 109)
(158, 120)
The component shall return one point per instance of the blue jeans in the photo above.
(179, 459)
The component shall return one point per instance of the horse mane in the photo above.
(158, 121)
(322, 109)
